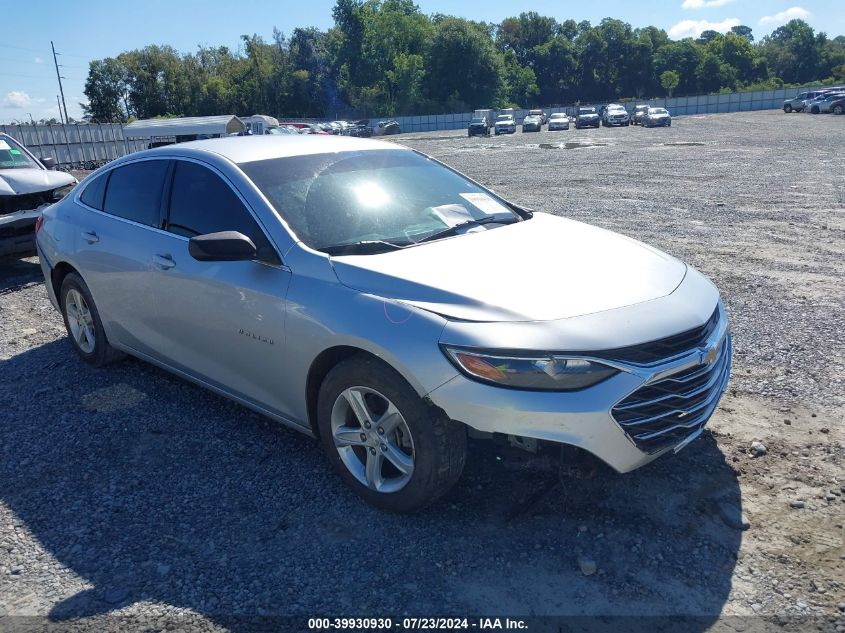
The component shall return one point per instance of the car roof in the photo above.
(244, 149)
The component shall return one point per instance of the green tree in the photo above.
(463, 66)
(669, 79)
(743, 31)
(106, 89)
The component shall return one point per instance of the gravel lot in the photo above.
(131, 499)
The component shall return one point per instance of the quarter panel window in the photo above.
(94, 192)
(201, 203)
(134, 191)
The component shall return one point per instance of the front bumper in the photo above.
(588, 123)
(590, 418)
(17, 232)
(509, 129)
(558, 126)
(617, 121)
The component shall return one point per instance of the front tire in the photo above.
(392, 449)
(83, 324)
(787, 108)
(838, 109)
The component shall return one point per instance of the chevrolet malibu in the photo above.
(368, 295)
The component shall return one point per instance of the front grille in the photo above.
(664, 412)
(25, 202)
(664, 349)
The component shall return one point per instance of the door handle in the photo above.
(90, 236)
(164, 261)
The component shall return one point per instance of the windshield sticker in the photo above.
(485, 203)
(451, 214)
(14, 152)
(4, 144)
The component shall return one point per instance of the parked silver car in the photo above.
(657, 117)
(822, 104)
(532, 123)
(26, 187)
(356, 290)
(558, 121)
(797, 103)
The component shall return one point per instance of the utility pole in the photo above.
(61, 118)
(59, 77)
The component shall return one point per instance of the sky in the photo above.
(28, 84)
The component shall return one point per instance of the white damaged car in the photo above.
(27, 186)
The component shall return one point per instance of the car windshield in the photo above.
(657, 111)
(504, 117)
(477, 119)
(393, 196)
(13, 156)
(558, 115)
(586, 110)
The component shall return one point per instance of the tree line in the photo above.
(385, 57)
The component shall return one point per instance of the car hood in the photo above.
(543, 269)
(22, 181)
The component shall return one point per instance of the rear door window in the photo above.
(134, 192)
(201, 203)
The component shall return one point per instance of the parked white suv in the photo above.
(26, 186)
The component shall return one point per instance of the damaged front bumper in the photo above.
(17, 231)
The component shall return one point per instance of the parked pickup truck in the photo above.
(27, 185)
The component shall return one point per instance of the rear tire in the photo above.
(83, 324)
(838, 109)
(401, 430)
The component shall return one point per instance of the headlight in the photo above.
(61, 192)
(540, 372)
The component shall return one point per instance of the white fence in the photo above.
(74, 144)
(677, 106)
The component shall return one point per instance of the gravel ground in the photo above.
(130, 499)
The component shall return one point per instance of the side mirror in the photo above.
(225, 246)
(48, 161)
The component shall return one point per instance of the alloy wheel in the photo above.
(372, 439)
(80, 321)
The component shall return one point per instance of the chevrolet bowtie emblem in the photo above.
(710, 356)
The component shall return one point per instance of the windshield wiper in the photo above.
(364, 247)
(454, 230)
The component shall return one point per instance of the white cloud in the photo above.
(792, 13)
(694, 28)
(38, 60)
(17, 99)
(704, 4)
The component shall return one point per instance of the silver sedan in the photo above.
(374, 298)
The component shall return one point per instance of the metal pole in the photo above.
(61, 118)
(59, 77)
